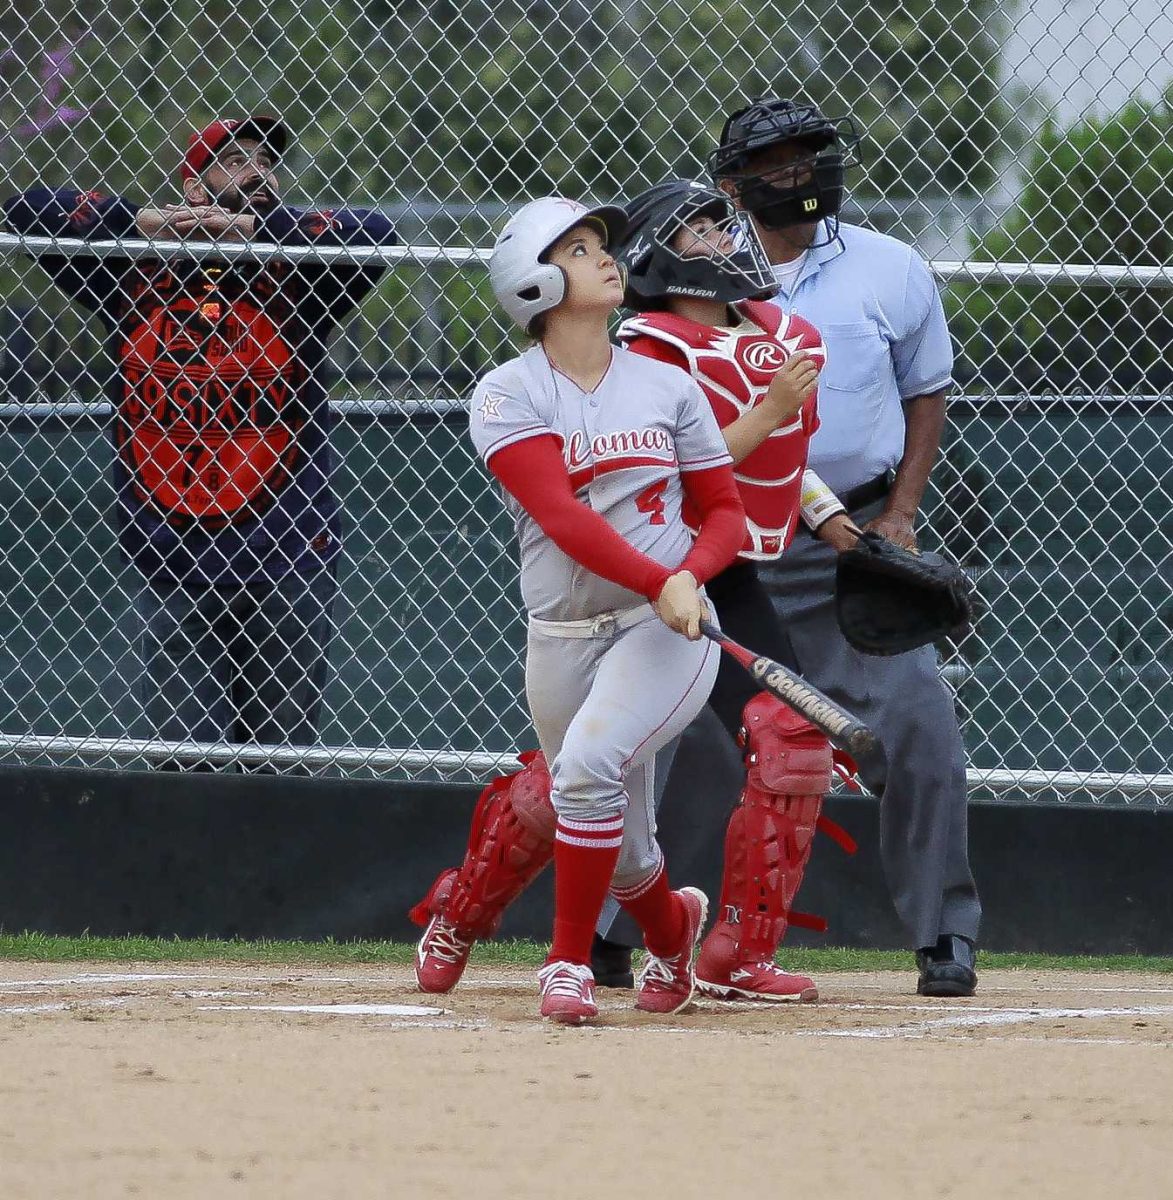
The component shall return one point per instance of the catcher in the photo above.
(693, 265)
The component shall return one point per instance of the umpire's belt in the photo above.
(602, 625)
(867, 493)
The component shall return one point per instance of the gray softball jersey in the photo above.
(625, 445)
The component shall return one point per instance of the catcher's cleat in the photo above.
(568, 993)
(723, 974)
(764, 981)
(441, 956)
(666, 985)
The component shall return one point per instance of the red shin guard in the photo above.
(509, 844)
(768, 840)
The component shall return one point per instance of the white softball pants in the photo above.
(604, 700)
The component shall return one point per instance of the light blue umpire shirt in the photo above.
(878, 309)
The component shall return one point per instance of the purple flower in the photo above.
(47, 119)
(57, 66)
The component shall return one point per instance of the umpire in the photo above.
(223, 466)
(882, 410)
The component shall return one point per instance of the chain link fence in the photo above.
(1043, 204)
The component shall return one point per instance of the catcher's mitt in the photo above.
(889, 600)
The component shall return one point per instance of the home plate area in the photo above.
(1056, 1006)
(194, 1080)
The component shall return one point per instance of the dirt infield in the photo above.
(207, 1080)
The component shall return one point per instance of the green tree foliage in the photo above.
(501, 98)
(463, 103)
(1102, 193)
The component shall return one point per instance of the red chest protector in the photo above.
(734, 367)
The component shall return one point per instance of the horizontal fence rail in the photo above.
(1041, 274)
(1133, 790)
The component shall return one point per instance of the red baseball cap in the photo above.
(204, 143)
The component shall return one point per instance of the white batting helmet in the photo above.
(524, 284)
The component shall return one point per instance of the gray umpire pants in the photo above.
(923, 818)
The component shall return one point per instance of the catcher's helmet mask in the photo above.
(806, 190)
(657, 269)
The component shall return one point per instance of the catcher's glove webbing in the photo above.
(889, 600)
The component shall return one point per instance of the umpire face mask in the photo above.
(784, 162)
(803, 190)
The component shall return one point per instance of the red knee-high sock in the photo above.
(585, 854)
(657, 911)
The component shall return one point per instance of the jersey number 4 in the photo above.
(651, 501)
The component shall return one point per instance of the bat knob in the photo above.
(865, 748)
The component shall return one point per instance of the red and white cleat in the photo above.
(441, 956)
(764, 981)
(665, 985)
(568, 993)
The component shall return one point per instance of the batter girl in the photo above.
(596, 450)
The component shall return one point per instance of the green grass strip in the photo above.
(39, 947)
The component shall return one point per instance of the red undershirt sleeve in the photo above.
(533, 473)
(713, 493)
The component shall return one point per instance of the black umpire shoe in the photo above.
(947, 969)
(611, 963)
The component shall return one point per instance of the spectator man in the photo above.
(222, 467)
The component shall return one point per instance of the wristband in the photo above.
(818, 504)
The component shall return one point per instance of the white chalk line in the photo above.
(335, 1010)
(214, 994)
(985, 988)
(1012, 1016)
(397, 971)
(946, 1016)
(20, 1010)
(1064, 1041)
(74, 980)
(234, 977)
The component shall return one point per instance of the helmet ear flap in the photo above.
(525, 283)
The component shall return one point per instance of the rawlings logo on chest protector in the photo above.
(741, 365)
(761, 355)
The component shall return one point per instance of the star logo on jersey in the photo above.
(490, 408)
